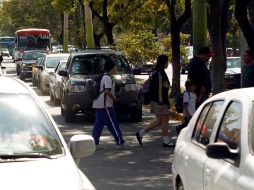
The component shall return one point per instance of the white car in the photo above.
(33, 153)
(216, 150)
(48, 68)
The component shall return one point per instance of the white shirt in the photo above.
(190, 98)
(103, 100)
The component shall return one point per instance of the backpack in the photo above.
(96, 83)
(144, 92)
(179, 102)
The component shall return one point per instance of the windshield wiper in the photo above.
(29, 155)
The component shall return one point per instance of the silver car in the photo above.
(56, 83)
(33, 153)
(48, 67)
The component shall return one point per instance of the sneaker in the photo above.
(170, 144)
(139, 139)
(123, 146)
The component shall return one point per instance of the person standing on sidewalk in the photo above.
(248, 70)
(159, 88)
(105, 113)
(199, 74)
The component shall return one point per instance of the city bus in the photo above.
(7, 42)
(31, 39)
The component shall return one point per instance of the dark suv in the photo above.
(81, 70)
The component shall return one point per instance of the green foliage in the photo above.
(139, 47)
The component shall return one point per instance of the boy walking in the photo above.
(105, 113)
(189, 104)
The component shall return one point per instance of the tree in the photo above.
(175, 25)
(218, 20)
(241, 13)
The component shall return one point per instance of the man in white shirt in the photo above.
(105, 113)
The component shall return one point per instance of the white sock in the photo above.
(142, 133)
(165, 139)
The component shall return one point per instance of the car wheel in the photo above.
(69, 115)
(180, 185)
(136, 115)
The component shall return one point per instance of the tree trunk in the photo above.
(218, 35)
(199, 25)
(97, 39)
(109, 32)
(89, 25)
(176, 56)
(241, 14)
(66, 28)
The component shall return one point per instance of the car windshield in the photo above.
(24, 128)
(94, 64)
(53, 61)
(32, 55)
(234, 63)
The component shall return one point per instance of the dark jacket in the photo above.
(199, 75)
(248, 76)
(159, 87)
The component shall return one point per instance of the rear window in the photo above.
(94, 64)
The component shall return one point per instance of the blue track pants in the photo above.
(107, 116)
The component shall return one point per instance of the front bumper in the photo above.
(83, 102)
(26, 75)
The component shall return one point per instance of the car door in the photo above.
(222, 174)
(195, 154)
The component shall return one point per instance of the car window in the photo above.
(230, 126)
(234, 63)
(53, 61)
(94, 64)
(61, 66)
(24, 128)
(206, 122)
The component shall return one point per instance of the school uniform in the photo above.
(105, 113)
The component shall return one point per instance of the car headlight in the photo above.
(76, 88)
(229, 76)
(130, 87)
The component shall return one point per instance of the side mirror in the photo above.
(18, 59)
(39, 67)
(63, 73)
(81, 146)
(3, 67)
(220, 151)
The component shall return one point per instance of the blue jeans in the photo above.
(107, 116)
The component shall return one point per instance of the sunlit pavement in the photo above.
(109, 168)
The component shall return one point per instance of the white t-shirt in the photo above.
(190, 98)
(103, 100)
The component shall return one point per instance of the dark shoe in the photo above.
(170, 144)
(139, 139)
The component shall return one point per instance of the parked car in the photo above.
(215, 150)
(25, 63)
(5, 52)
(33, 153)
(233, 73)
(81, 70)
(36, 71)
(147, 68)
(48, 67)
(55, 83)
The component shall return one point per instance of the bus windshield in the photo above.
(34, 42)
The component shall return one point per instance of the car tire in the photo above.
(136, 115)
(180, 185)
(69, 115)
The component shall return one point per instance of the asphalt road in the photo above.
(109, 168)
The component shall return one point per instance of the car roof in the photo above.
(31, 51)
(233, 57)
(12, 86)
(96, 51)
(247, 92)
(58, 55)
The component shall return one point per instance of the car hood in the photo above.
(231, 71)
(124, 78)
(28, 61)
(41, 174)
